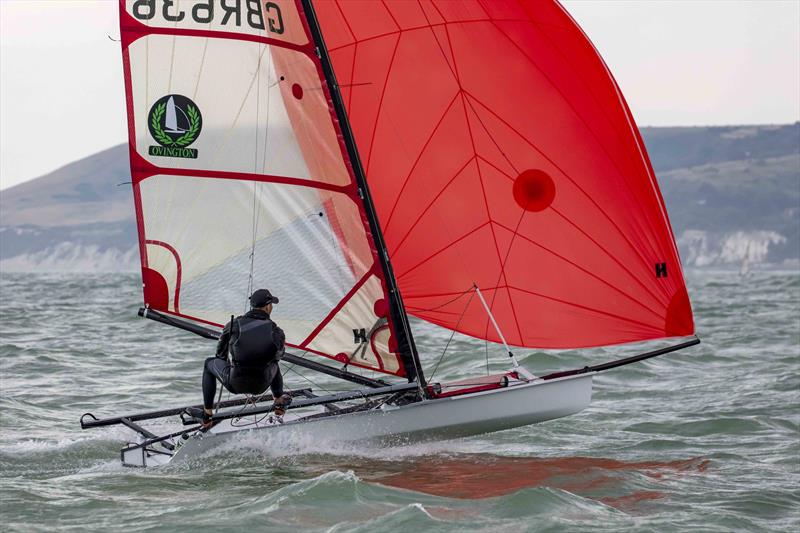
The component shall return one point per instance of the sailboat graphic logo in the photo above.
(174, 122)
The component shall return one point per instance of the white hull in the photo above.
(519, 404)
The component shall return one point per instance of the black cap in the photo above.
(262, 297)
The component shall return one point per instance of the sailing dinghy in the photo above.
(471, 163)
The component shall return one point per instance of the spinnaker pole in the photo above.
(622, 362)
(397, 309)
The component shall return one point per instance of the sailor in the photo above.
(256, 344)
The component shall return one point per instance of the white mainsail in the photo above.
(263, 195)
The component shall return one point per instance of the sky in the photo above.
(678, 62)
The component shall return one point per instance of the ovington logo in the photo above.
(174, 122)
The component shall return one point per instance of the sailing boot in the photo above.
(280, 404)
(203, 416)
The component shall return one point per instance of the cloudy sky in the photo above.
(679, 62)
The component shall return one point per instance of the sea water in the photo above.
(704, 439)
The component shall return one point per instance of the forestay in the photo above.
(500, 151)
(241, 178)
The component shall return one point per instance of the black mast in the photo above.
(398, 314)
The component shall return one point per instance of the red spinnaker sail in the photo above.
(499, 151)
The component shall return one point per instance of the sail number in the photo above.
(204, 12)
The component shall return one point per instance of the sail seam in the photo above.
(585, 271)
(585, 234)
(501, 262)
(416, 28)
(380, 102)
(575, 183)
(419, 157)
(587, 308)
(430, 204)
(389, 12)
(467, 234)
(586, 125)
(346, 23)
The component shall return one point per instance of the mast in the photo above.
(397, 311)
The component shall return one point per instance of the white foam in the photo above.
(277, 446)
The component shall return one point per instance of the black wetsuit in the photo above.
(254, 358)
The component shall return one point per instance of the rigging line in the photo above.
(500, 261)
(200, 71)
(228, 133)
(517, 366)
(146, 69)
(172, 52)
(257, 187)
(250, 400)
(258, 106)
(202, 65)
(270, 85)
(448, 302)
(291, 369)
(317, 385)
(503, 276)
(219, 398)
(473, 289)
(486, 343)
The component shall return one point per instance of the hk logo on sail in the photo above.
(174, 122)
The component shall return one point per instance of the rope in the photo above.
(255, 185)
(448, 302)
(291, 369)
(452, 334)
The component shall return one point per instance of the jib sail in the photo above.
(242, 179)
(500, 152)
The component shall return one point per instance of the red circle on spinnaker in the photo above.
(534, 190)
(297, 91)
